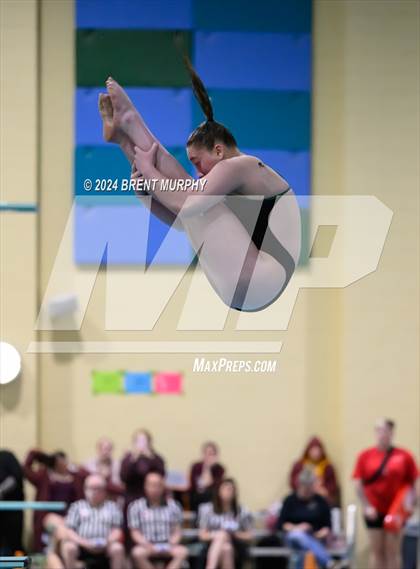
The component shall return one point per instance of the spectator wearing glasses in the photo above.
(155, 523)
(93, 528)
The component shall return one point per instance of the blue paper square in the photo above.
(138, 382)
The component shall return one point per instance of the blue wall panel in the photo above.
(134, 14)
(124, 231)
(290, 16)
(107, 162)
(239, 60)
(263, 119)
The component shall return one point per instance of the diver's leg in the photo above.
(112, 133)
(128, 120)
(235, 268)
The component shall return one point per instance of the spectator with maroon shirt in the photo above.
(380, 473)
(137, 464)
(315, 458)
(205, 475)
(55, 480)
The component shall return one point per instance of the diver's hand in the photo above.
(145, 160)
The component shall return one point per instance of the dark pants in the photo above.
(410, 548)
(271, 562)
(11, 526)
(198, 498)
(99, 561)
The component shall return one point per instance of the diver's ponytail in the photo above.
(198, 87)
(210, 132)
(199, 90)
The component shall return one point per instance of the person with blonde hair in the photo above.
(383, 474)
(306, 520)
(105, 464)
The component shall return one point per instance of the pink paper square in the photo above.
(168, 382)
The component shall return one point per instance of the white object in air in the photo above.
(62, 305)
(10, 363)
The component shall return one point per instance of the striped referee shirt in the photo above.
(92, 522)
(209, 520)
(156, 523)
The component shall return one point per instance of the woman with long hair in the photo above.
(315, 459)
(246, 238)
(225, 528)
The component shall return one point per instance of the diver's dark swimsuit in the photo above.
(262, 237)
(261, 226)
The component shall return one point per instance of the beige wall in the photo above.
(379, 368)
(18, 231)
(349, 355)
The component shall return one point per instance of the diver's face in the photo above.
(202, 159)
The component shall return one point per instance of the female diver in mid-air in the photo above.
(247, 239)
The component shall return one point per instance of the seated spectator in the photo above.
(205, 475)
(315, 458)
(94, 528)
(306, 519)
(225, 529)
(11, 488)
(55, 480)
(138, 463)
(107, 466)
(155, 524)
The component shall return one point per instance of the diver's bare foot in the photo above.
(111, 132)
(125, 115)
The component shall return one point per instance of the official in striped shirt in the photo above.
(155, 526)
(225, 528)
(93, 527)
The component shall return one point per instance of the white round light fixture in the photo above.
(10, 363)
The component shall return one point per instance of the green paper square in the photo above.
(107, 382)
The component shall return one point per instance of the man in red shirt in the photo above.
(380, 473)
